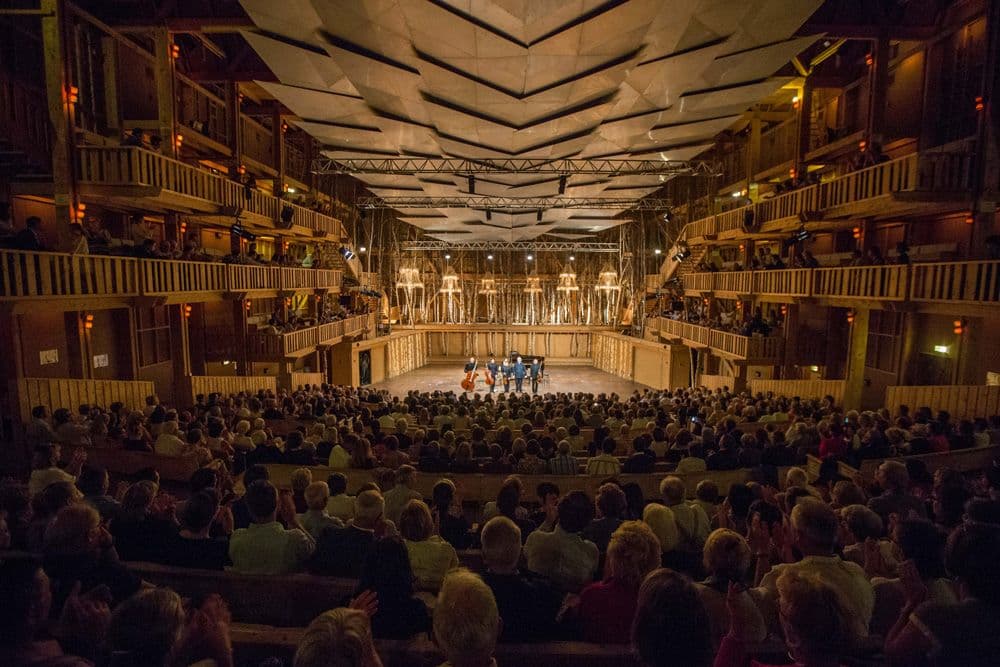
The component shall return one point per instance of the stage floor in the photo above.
(446, 377)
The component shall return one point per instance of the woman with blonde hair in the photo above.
(607, 607)
(726, 559)
(430, 556)
(341, 637)
(661, 521)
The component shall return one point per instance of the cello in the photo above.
(469, 381)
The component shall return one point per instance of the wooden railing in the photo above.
(789, 282)
(201, 111)
(956, 282)
(130, 166)
(714, 382)
(56, 393)
(699, 282)
(931, 171)
(272, 346)
(804, 388)
(736, 282)
(225, 384)
(54, 274)
(158, 276)
(861, 282)
(962, 402)
(756, 348)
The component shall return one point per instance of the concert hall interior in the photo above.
(499, 332)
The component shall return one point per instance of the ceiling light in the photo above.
(736, 194)
(362, 249)
(447, 256)
(941, 349)
(571, 258)
(657, 251)
(489, 257)
(291, 191)
(530, 257)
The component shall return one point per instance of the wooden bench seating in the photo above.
(125, 462)
(481, 488)
(962, 460)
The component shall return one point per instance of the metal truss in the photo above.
(514, 246)
(501, 203)
(565, 167)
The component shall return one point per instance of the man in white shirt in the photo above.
(568, 560)
(693, 525)
(814, 528)
(397, 497)
(267, 547)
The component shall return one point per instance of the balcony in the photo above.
(124, 175)
(907, 184)
(52, 275)
(268, 347)
(970, 283)
(751, 349)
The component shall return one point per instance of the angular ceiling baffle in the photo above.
(544, 79)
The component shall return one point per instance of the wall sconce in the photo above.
(187, 311)
(742, 247)
(980, 103)
(862, 145)
(869, 59)
(288, 300)
(183, 227)
(77, 211)
(784, 309)
(850, 316)
(175, 51)
(791, 173)
(72, 95)
(970, 219)
(239, 98)
(247, 305)
(856, 232)
(242, 169)
(178, 141)
(958, 327)
(88, 321)
(284, 127)
(795, 102)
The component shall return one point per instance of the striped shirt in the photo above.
(604, 464)
(564, 465)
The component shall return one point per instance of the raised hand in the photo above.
(366, 601)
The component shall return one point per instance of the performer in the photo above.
(519, 373)
(469, 381)
(536, 374)
(491, 373)
(505, 373)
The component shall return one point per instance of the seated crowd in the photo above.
(900, 567)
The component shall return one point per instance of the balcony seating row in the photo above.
(758, 349)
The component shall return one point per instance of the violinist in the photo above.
(505, 372)
(491, 373)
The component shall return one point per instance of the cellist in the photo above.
(469, 381)
(491, 372)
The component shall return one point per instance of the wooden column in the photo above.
(234, 135)
(881, 51)
(856, 353)
(986, 158)
(77, 345)
(790, 354)
(240, 335)
(109, 51)
(753, 148)
(805, 124)
(278, 148)
(180, 344)
(57, 83)
(165, 96)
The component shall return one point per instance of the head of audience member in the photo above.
(611, 502)
(145, 628)
(337, 483)
(671, 625)
(415, 521)
(262, 501)
(814, 527)
(76, 530)
(575, 511)
(138, 499)
(386, 570)
(316, 496)
(672, 490)
(300, 479)
(860, 524)
(198, 512)
(466, 620)
(442, 495)
(369, 509)
(893, 476)
(501, 545)
(661, 521)
(971, 556)
(405, 475)
(633, 552)
(93, 482)
(815, 621)
(726, 555)
(338, 638)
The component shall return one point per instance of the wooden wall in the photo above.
(714, 382)
(56, 393)
(393, 355)
(299, 379)
(192, 385)
(962, 401)
(558, 344)
(803, 388)
(657, 365)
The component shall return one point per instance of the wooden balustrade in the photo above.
(804, 388)
(887, 283)
(788, 205)
(700, 228)
(695, 333)
(277, 345)
(193, 385)
(962, 402)
(56, 393)
(132, 166)
(882, 179)
(732, 220)
(245, 277)
(200, 111)
(298, 278)
(956, 282)
(158, 276)
(735, 282)
(784, 282)
(330, 331)
(53, 274)
(328, 278)
(699, 282)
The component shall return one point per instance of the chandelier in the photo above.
(534, 285)
(449, 282)
(567, 280)
(409, 278)
(607, 280)
(488, 285)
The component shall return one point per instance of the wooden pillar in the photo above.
(908, 353)
(165, 97)
(113, 118)
(180, 344)
(805, 124)
(240, 336)
(881, 52)
(856, 353)
(753, 148)
(234, 134)
(986, 158)
(57, 84)
(77, 345)
(278, 148)
(790, 354)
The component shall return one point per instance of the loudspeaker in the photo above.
(346, 253)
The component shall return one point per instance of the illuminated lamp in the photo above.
(242, 169)
(869, 59)
(247, 305)
(187, 310)
(607, 279)
(980, 103)
(856, 232)
(850, 316)
(784, 309)
(88, 321)
(72, 94)
(862, 145)
(178, 141)
(567, 280)
(969, 219)
(958, 327)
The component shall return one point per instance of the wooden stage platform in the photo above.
(446, 377)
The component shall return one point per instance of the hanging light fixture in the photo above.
(449, 282)
(607, 280)
(487, 285)
(534, 285)
(567, 280)
(409, 278)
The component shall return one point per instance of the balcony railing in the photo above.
(759, 349)
(971, 282)
(53, 275)
(931, 171)
(130, 166)
(273, 346)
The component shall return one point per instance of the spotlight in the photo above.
(572, 258)
(530, 257)
(489, 257)
(447, 256)
(657, 252)
(346, 253)
(362, 249)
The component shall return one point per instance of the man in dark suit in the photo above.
(536, 374)
(506, 371)
(519, 372)
(341, 551)
(27, 238)
(492, 368)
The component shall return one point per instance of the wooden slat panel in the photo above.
(962, 401)
(68, 393)
(803, 388)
